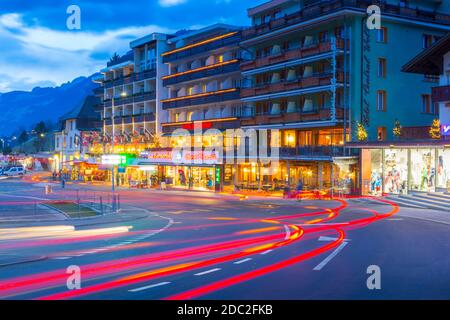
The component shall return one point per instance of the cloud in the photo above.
(42, 55)
(170, 3)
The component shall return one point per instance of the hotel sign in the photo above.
(175, 157)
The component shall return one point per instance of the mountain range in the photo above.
(22, 109)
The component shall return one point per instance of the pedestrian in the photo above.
(63, 182)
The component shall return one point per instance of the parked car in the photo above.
(14, 171)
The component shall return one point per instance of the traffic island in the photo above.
(72, 209)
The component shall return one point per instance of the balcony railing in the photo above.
(292, 54)
(317, 151)
(441, 94)
(316, 80)
(330, 6)
(129, 79)
(207, 45)
(203, 72)
(137, 97)
(290, 117)
(203, 98)
(128, 119)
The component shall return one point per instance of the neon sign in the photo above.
(445, 130)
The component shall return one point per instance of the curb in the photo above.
(21, 260)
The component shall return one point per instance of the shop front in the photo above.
(339, 175)
(193, 170)
(402, 168)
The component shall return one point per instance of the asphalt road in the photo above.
(179, 245)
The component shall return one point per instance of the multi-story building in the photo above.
(203, 88)
(131, 90)
(316, 71)
(403, 166)
(72, 143)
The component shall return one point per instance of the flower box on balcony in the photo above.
(293, 54)
(247, 65)
(310, 82)
(310, 51)
(247, 92)
(324, 80)
(292, 85)
(324, 47)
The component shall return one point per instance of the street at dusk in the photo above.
(205, 246)
(224, 159)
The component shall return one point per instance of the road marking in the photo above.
(324, 238)
(62, 258)
(331, 256)
(267, 251)
(149, 287)
(208, 271)
(242, 261)
(288, 232)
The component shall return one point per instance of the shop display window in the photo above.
(396, 171)
(423, 170)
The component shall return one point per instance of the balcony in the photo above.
(225, 40)
(129, 119)
(202, 98)
(317, 80)
(146, 117)
(291, 117)
(221, 124)
(207, 71)
(292, 54)
(441, 94)
(332, 6)
(317, 151)
(129, 79)
(137, 97)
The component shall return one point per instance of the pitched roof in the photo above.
(431, 60)
(83, 110)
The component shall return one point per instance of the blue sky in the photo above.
(37, 49)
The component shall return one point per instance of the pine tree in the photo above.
(435, 129)
(361, 132)
(397, 131)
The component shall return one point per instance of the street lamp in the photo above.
(123, 94)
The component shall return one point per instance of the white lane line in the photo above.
(331, 256)
(62, 258)
(242, 261)
(149, 287)
(207, 271)
(267, 251)
(288, 232)
(324, 238)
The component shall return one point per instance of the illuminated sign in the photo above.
(193, 126)
(113, 159)
(445, 130)
(181, 157)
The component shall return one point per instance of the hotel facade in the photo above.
(309, 75)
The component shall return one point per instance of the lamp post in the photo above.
(123, 94)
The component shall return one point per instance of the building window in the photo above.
(323, 36)
(381, 133)
(382, 35)
(190, 91)
(382, 67)
(426, 104)
(381, 100)
(305, 138)
(427, 40)
(322, 99)
(189, 116)
(289, 139)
